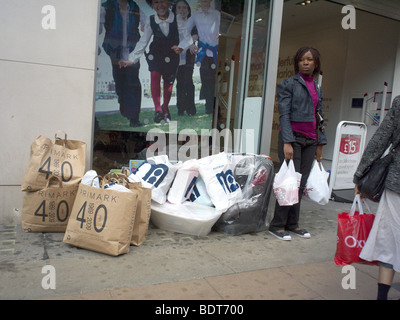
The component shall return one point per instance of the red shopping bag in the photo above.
(352, 234)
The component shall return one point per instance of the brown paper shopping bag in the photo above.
(48, 209)
(143, 211)
(63, 158)
(102, 220)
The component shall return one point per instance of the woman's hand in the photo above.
(288, 151)
(318, 153)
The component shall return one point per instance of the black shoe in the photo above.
(158, 117)
(281, 235)
(167, 117)
(301, 233)
(134, 123)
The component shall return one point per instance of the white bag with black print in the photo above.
(217, 174)
(157, 173)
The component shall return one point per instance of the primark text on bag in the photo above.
(63, 158)
(48, 209)
(102, 219)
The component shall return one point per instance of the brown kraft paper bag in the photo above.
(48, 210)
(102, 220)
(143, 211)
(62, 158)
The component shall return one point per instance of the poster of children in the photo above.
(157, 62)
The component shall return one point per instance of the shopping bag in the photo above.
(48, 209)
(217, 174)
(317, 188)
(143, 207)
(62, 158)
(184, 182)
(102, 219)
(286, 184)
(143, 211)
(158, 174)
(352, 233)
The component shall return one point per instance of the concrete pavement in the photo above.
(177, 266)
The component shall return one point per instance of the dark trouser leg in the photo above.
(129, 90)
(189, 90)
(180, 90)
(207, 75)
(303, 158)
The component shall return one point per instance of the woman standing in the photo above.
(301, 135)
(383, 244)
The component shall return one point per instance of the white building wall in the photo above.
(46, 83)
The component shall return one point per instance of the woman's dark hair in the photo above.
(174, 7)
(316, 55)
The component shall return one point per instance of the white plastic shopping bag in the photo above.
(317, 188)
(286, 184)
(184, 182)
(217, 174)
(199, 194)
(157, 173)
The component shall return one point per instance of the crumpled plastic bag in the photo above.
(317, 188)
(286, 184)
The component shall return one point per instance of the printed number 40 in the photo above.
(81, 216)
(45, 168)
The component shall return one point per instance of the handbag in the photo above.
(372, 183)
(352, 233)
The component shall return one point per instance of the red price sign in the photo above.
(350, 144)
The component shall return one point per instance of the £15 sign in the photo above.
(350, 144)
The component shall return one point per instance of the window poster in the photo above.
(157, 62)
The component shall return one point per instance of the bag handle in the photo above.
(357, 201)
(100, 181)
(56, 138)
(53, 177)
(118, 178)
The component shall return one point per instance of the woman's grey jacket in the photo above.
(388, 133)
(296, 105)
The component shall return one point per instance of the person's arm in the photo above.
(284, 97)
(186, 38)
(143, 19)
(140, 47)
(318, 153)
(380, 141)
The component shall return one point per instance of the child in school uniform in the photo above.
(163, 56)
(207, 20)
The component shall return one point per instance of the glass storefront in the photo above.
(239, 79)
